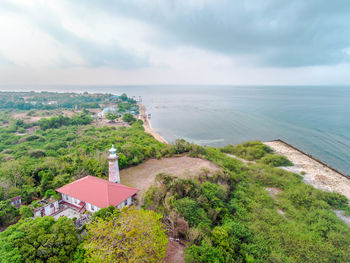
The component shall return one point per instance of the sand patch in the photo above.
(143, 175)
(147, 124)
(273, 191)
(340, 214)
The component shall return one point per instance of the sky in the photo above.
(155, 42)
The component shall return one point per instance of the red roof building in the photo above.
(93, 193)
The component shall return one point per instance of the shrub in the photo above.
(251, 151)
(275, 160)
(37, 153)
(26, 212)
(190, 210)
(335, 200)
(129, 118)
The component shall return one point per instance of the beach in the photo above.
(147, 125)
(317, 173)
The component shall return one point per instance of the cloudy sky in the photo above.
(93, 42)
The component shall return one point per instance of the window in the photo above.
(126, 202)
(92, 208)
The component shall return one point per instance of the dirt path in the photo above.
(240, 159)
(175, 252)
(147, 124)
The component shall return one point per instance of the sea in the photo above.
(315, 119)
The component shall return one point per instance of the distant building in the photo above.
(110, 109)
(91, 193)
(16, 201)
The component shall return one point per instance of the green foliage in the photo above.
(129, 118)
(335, 200)
(105, 213)
(253, 150)
(50, 100)
(232, 218)
(225, 217)
(51, 193)
(60, 120)
(39, 240)
(7, 212)
(190, 210)
(131, 236)
(112, 116)
(203, 253)
(26, 212)
(181, 146)
(275, 160)
(54, 157)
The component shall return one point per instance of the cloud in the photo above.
(279, 33)
(31, 30)
(174, 41)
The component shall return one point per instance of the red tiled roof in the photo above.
(97, 191)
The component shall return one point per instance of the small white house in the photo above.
(16, 201)
(47, 209)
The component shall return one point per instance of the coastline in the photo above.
(147, 125)
(317, 174)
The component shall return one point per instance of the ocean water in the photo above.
(314, 119)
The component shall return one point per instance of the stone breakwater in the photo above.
(314, 172)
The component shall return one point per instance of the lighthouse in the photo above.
(113, 166)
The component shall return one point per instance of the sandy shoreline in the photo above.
(147, 124)
(317, 174)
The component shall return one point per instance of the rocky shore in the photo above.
(313, 171)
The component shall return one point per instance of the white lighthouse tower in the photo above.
(113, 166)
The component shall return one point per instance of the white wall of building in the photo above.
(127, 202)
(71, 200)
(90, 207)
(47, 209)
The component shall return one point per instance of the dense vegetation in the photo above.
(51, 100)
(47, 159)
(252, 213)
(257, 151)
(128, 236)
(39, 240)
(8, 213)
(60, 120)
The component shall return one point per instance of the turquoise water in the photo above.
(314, 119)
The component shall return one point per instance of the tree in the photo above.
(112, 116)
(123, 97)
(13, 170)
(131, 236)
(39, 240)
(7, 212)
(204, 253)
(26, 212)
(129, 118)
